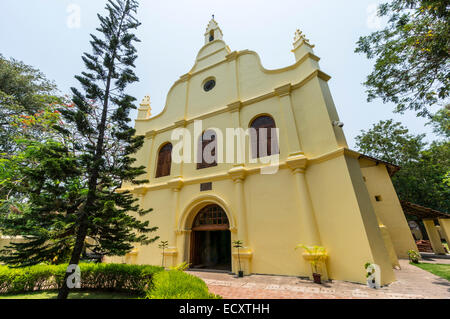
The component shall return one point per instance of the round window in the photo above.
(209, 85)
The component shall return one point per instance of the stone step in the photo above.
(424, 246)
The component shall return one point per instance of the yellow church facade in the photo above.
(322, 193)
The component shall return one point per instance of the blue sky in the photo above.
(48, 35)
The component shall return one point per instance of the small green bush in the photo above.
(176, 284)
(414, 256)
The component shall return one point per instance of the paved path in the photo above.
(412, 282)
(435, 259)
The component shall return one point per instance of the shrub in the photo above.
(147, 281)
(176, 284)
(117, 277)
(40, 277)
(414, 256)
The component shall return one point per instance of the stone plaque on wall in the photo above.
(205, 187)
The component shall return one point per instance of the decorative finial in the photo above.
(300, 36)
(145, 111)
(146, 104)
(213, 16)
(146, 101)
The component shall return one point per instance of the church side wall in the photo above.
(346, 221)
(388, 208)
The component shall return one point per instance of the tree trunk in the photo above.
(74, 260)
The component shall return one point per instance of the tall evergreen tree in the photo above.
(109, 140)
(72, 178)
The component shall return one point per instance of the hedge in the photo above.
(28, 279)
(144, 280)
(118, 277)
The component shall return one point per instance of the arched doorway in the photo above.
(211, 239)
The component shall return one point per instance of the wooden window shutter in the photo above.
(164, 162)
(264, 122)
(202, 144)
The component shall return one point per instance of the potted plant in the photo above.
(163, 246)
(413, 256)
(239, 244)
(315, 255)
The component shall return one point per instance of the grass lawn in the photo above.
(441, 270)
(72, 295)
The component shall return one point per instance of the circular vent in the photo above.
(209, 85)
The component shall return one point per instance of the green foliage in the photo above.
(441, 270)
(26, 119)
(423, 182)
(104, 139)
(24, 91)
(163, 244)
(315, 250)
(238, 244)
(118, 277)
(144, 280)
(440, 122)
(413, 256)
(29, 278)
(181, 267)
(148, 281)
(110, 277)
(390, 141)
(178, 285)
(317, 254)
(67, 184)
(424, 169)
(46, 174)
(24, 140)
(412, 55)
